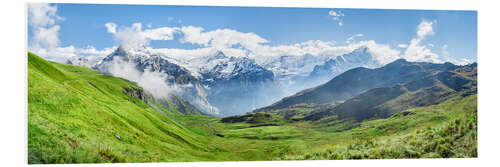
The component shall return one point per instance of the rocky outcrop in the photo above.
(136, 93)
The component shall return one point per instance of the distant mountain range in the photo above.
(363, 93)
(212, 82)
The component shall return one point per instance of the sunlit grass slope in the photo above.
(77, 115)
(446, 130)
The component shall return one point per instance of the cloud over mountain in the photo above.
(416, 51)
(237, 44)
(43, 21)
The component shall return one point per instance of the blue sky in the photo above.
(82, 25)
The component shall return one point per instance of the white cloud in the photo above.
(92, 51)
(44, 39)
(153, 82)
(381, 52)
(59, 54)
(424, 29)
(235, 43)
(111, 27)
(164, 33)
(193, 35)
(62, 54)
(131, 36)
(42, 14)
(402, 45)
(169, 19)
(418, 52)
(41, 19)
(44, 33)
(220, 38)
(352, 38)
(231, 42)
(337, 16)
(134, 36)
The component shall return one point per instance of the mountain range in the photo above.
(363, 93)
(210, 82)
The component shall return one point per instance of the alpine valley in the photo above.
(143, 105)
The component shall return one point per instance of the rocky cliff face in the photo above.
(184, 84)
(136, 93)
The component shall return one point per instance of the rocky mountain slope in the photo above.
(382, 102)
(211, 82)
(358, 80)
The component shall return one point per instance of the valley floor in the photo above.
(445, 130)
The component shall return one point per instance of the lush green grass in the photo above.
(428, 131)
(74, 114)
(440, 131)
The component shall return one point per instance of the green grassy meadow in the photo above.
(78, 115)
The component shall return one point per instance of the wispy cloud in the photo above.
(111, 27)
(352, 38)
(152, 82)
(444, 51)
(337, 16)
(402, 45)
(134, 35)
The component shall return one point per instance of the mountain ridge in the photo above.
(357, 80)
(205, 80)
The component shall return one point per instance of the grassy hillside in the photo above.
(444, 130)
(77, 115)
(447, 130)
(383, 102)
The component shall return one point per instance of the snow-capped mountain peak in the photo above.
(209, 81)
(359, 57)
